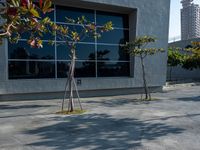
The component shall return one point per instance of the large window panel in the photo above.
(83, 69)
(22, 50)
(113, 69)
(102, 57)
(116, 36)
(118, 20)
(83, 51)
(110, 52)
(31, 69)
(73, 13)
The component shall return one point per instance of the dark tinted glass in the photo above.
(45, 36)
(83, 52)
(31, 70)
(107, 52)
(118, 20)
(113, 69)
(22, 50)
(73, 13)
(83, 69)
(116, 36)
(79, 29)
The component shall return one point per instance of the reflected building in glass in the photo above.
(102, 64)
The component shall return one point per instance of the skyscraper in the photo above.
(190, 20)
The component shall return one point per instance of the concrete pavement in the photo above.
(115, 123)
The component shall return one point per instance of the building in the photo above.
(178, 73)
(190, 20)
(41, 73)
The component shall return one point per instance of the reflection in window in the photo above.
(83, 69)
(83, 51)
(113, 69)
(31, 69)
(118, 20)
(73, 13)
(104, 55)
(113, 53)
(116, 36)
(22, 50)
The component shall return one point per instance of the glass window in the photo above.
(118, 20)
(45, 36)
(116, 36)
(22, 50)
(113, 69)
(83, 51)
(83, 69)
(73, 13)
(31, 69)
(109, 52)
(104, 54)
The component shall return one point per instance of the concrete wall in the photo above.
(179, 73)
(152, 19)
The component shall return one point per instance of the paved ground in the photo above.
(114, 123)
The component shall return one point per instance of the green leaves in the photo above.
(34, 12)
(187, 58)
(138, 47)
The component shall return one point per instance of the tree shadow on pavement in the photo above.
(118, 102)
(98, 131)
(22, 106)
(194, 99)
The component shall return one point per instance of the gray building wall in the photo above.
(152, 19)
(179, 73)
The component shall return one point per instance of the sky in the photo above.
(175, 23)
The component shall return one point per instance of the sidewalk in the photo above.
(113, 123)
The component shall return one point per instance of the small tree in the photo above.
(192, 56)
(175, 58)
(71, 38)
(138, 48)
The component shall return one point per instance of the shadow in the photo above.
(194, 99)
(119, 102)
(99, 131)
(2, 107)
(174, 117)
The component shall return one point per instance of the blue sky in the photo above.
(175, 26)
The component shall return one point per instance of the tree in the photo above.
(71, 38)
(192, 56)
(22, 16)
(138, 48)
(175, 58)
(187, 58)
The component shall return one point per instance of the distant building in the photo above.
(190, 20)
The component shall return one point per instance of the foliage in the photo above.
(188, 58)
(20, 16)
(175, 57)
(138, 47)
(192, 59)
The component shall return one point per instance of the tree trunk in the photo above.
(71, 74)
(170, 73)
(146, 90)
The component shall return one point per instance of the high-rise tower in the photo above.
(190, 20)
